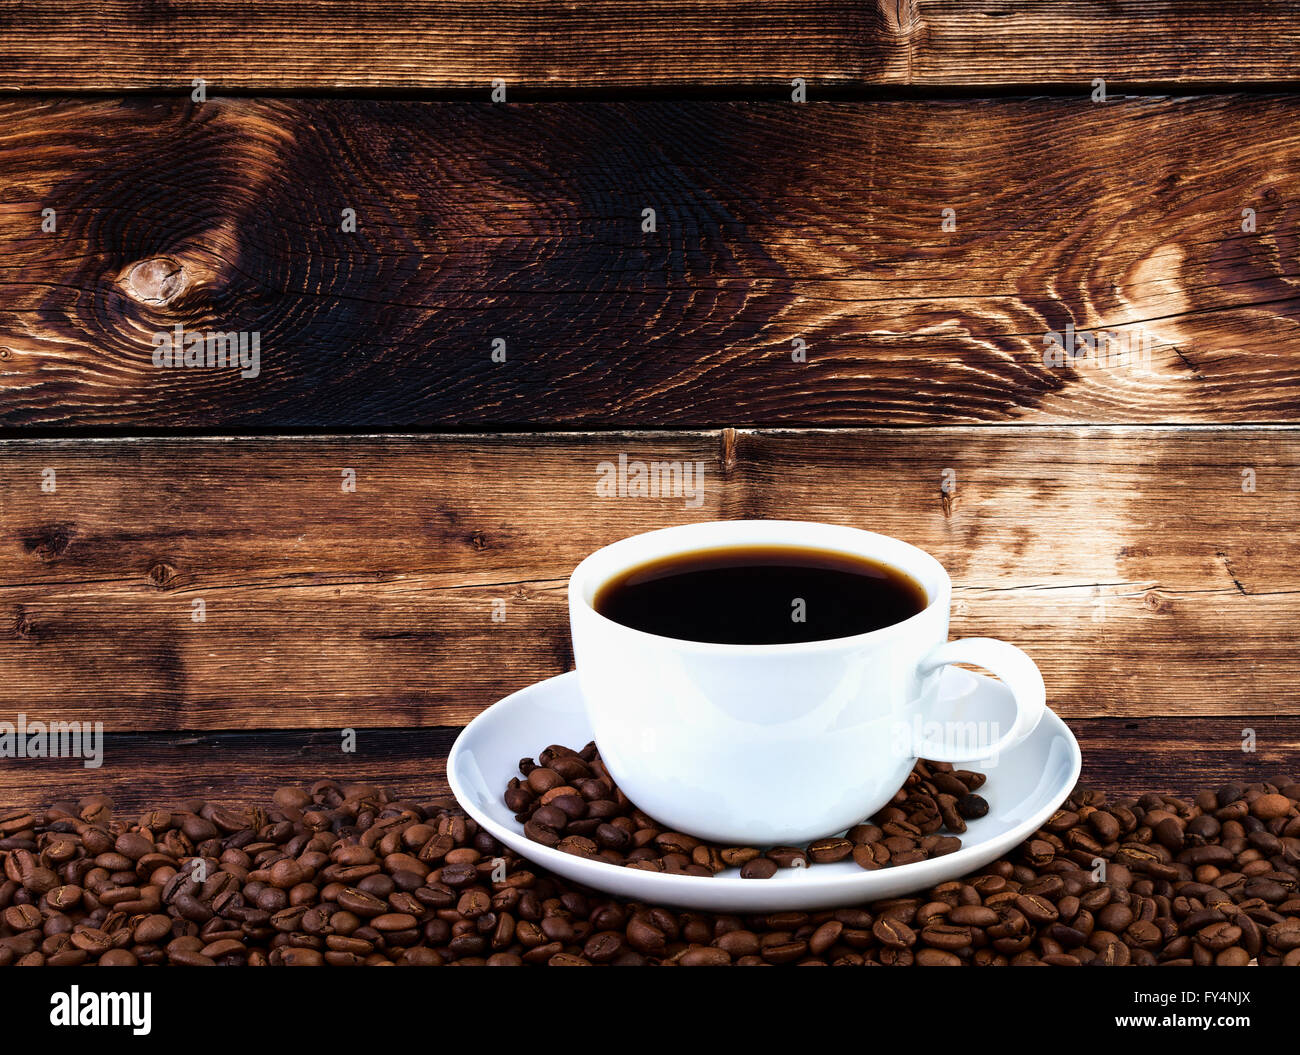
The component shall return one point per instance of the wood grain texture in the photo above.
(1150, 571)
(988, 42)
(451, 44)
(1183, 755)
(1179, 755)
(596, 45)
(244, 768)
(775, 222)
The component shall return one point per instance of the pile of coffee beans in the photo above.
(568, 800)
(345, 874)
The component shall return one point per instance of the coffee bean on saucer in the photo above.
(922, 821)
(541, 833)
(735, 856)
(824, 851)
(788, 857)
(861, 834)
(871, 855)
(578, 845)
(542, 779)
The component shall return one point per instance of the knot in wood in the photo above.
(24, 627)
(1154, 602)
(48, 543)
(161, 574)
(158, 281)
(900, 17)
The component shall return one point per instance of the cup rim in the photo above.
(578, 595)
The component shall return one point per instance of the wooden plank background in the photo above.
(310, 591)
(775, 223)
(317, 45)
(1134, 529)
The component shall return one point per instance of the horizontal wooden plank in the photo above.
(1176, 754)
(1151, 571)
(775, 224)
(987, 42)
(451, 44)
(439, 44)
(1183, 755)
(141, 770)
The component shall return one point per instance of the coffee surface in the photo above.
(760, 595)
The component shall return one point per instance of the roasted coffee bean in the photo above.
(973, 916)
(151, 929)
(931, 957)
(393, 921)
(825, 851)
(645, 938)
(21, 917)
(1208, 854)
(360, 903)
(542, 779)
(893, 933)
(1170, 833)
(786, 950)
(92, 940)
(736, 856)
(759, 868)
(342, 875)
(458, 875)
(1218, 936)
(578, 845)
(604, 946)
(825, 937)
(702, 956)
(788, 857)
(1037, 909)
(611, 837)
(542, 833)
(1039, 853)
(862, 834)
(946, 936)
(611, 829)
(1284, 936)
(1271, 807)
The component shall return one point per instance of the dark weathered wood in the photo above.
(988, 42)
(142, 770)
(155, 769)
(1129, 561)
(596, 45)
(775, 223)
(1183, 755)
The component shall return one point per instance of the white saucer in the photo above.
(1024, 788)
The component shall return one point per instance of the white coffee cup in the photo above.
(774, 744)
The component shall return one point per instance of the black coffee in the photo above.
(760, 595)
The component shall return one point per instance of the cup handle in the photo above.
(1014, 668)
